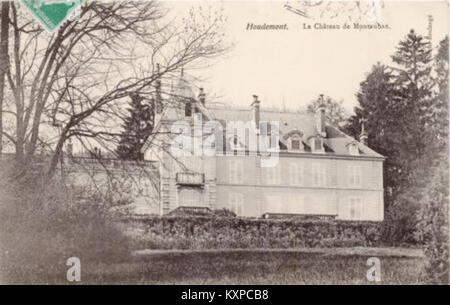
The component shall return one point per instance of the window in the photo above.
(296, 173)
(236, 202)
(353, 149)
(319, 174)
(236, 171)
(269, 129)
(188, 109)
(274, 204)
(316, 144)
(266, 131)
(354, 175)
(294, 203)
(356, 208)
(272, 174)
(236, 144)
(295, 144)
(190, 197)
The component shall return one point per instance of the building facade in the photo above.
(315, 169)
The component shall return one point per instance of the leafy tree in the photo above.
(379, 106)
(335, 113)
(395, 102)
(414, 85)
(377, 99)
(432, 218)
(434, 223)
(137, 128)
(439, 109)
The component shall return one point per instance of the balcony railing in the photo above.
(190, 179)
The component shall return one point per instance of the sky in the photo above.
(290, 68)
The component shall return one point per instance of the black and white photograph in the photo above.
(201, 143)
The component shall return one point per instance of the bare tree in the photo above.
(74, 83)
(352, 11)
(4, 39)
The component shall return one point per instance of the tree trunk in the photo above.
(4, 62)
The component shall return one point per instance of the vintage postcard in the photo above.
(224, 143)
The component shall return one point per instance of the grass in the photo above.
(249, 267)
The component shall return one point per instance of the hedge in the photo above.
(181, 232)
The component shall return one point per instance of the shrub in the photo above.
(41, 226)
(224, 213)
(191, 211)
(434, 226)
(181, 232)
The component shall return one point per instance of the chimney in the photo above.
(158, 99)
(320, 117)
(363, 137)
(201, 97)
(255, 109)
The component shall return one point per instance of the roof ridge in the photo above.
(240, 108)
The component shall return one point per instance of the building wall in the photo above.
(351, 188)
(119, 182)
(175, 194)
(303, 185)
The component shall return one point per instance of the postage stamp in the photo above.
(52, 13)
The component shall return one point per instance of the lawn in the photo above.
(254, 267)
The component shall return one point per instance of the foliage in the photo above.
(137, 128)
(335, 113)
(406, 119)
(224, 213)
(439, 109)
(434, 224)
(181, 232)
(201, 212)
(41, 226)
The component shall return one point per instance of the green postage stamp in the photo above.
(52, 13)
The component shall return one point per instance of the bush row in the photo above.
(181, 232)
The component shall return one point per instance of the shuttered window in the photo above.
(236, 171)
(354, 175)
(272, 174)
(356, 208)
(319, 174)
(296, 173)
(236, 203)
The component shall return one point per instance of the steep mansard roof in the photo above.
(336, 142)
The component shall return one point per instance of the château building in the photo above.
(315, 168)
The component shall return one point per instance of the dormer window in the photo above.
(295, 144)
(353, 149)
(293, 140)
(235, 144)
(316, 144)
(267, 132)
